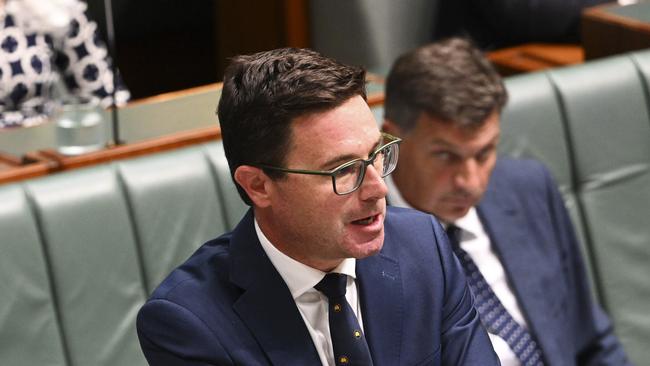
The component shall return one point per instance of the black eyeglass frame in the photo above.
(332, 173)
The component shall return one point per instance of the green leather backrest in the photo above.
(532, 125)
(590, 124)
(234, 207)
(176, 207)
(94, 260)
(29, 331)
(81, 251)
(606, 105)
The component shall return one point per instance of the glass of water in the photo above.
(80, 128)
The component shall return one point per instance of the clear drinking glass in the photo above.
(80, 128)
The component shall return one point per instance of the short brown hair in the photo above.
(264, 92)
(449, 80)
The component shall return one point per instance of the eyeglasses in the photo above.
(347, 177)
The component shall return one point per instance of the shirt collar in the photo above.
(470, 223)
(299, 277)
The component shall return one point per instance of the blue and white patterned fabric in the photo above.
(46, 44)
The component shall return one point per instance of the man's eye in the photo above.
(485, 154)
(350, 169)
(442, 155)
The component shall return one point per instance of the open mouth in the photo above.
(366, 221)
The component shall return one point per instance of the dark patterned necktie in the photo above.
(348, 341)
(493, 315)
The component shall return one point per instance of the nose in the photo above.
(467, 175)
(373, 186)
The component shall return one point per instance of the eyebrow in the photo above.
(437, 141)
(342, 159)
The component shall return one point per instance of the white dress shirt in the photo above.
(312, 304)
(474, 240)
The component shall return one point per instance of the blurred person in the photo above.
(45, 44)
(318, 271)
(505, 218)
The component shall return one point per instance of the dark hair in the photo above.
(264, 92)
(449, 80)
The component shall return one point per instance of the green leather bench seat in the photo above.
(91, 248)
(29, 329)
(610, 130)
(591, 125)
(233, 206)
(82, 250)
(173, 209)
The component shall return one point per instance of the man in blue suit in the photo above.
(318, 271)
(506, 219)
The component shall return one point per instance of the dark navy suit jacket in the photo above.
(529, 227)
(227, 305)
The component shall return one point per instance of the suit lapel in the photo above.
(382, 302)
(511, 244)
(266, 305)
(521, 257)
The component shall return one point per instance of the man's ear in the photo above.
(392, 128)
(255, 183)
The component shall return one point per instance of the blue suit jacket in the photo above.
(529, 227)
(227, 305)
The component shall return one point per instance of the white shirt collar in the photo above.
(470, 223)
(299, 277)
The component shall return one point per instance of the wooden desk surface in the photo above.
(611, 29)
(534, 57)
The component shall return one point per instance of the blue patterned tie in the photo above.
(493, 315)
(348, 341)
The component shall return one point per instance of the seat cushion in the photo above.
(95, 264)
(175, 207)
(606, 106)
(29, 330)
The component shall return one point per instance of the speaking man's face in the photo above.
(311, 223)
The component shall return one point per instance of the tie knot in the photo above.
(333, 285)
(453, 233)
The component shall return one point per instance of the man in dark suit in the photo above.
(506, 220)
(318, 271)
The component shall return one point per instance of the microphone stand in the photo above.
(112, 50)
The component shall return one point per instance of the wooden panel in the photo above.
(13, 169)
(164, 143)
(296, 23)
(607, 30)
(48, 161)
(534, 57)
(8, 161)
(247, 26)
